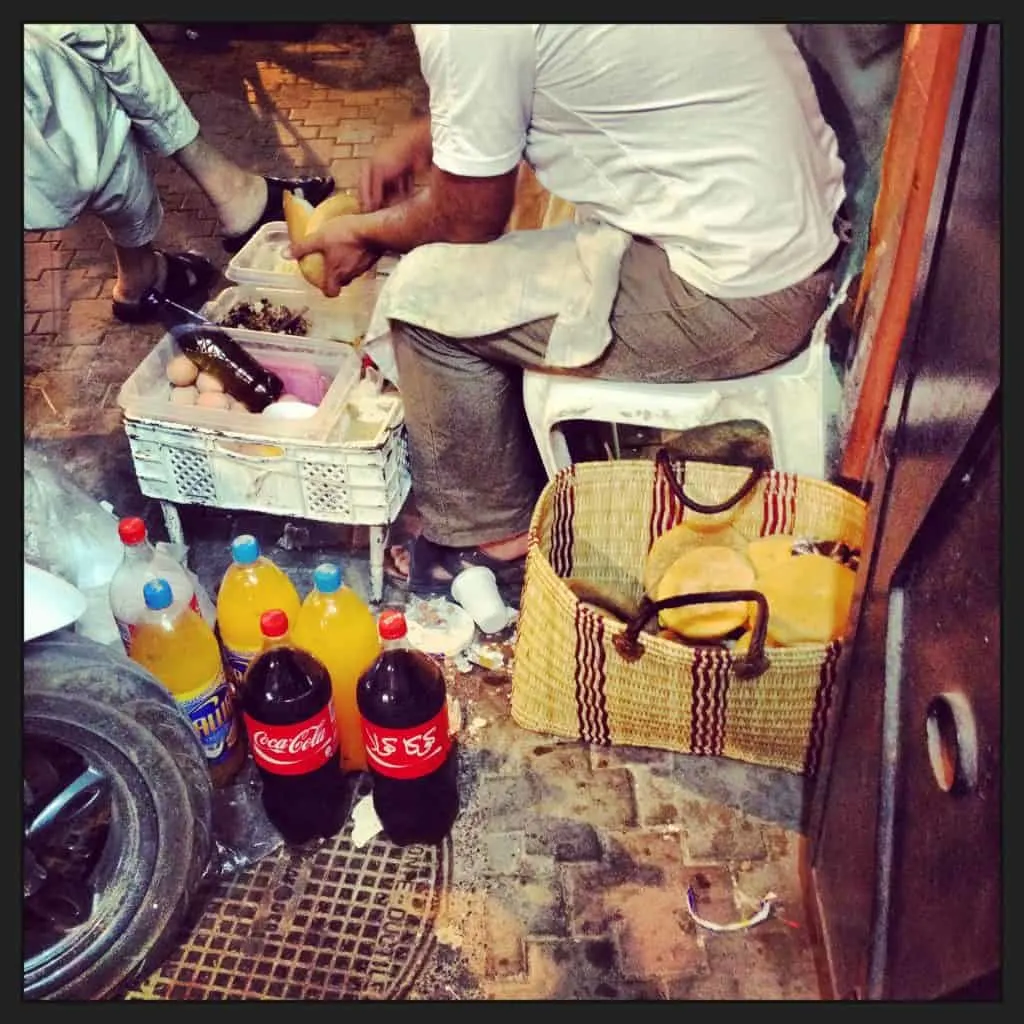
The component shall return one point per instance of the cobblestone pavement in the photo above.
(570, 865)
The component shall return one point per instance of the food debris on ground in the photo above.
(264, 315)
(486, 656)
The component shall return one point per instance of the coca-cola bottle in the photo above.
(411, 758)
(287, 707)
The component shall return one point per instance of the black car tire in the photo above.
(113, 713)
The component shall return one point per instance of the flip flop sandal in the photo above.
(314, 191)
(189, 278)
(432, 567)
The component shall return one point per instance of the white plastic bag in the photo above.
(69, 533)
(72, 535)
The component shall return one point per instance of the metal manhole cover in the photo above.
(333, 923)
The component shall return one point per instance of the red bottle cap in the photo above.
(274, 623)
(391, 625)
(131, 530)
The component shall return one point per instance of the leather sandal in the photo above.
(190, 276)
(314, 190)
(432, 567)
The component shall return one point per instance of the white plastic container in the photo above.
(320, 372)
(261, 262)
(343, 319)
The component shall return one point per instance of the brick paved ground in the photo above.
(570, 864)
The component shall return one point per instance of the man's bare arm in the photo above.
(452, 208)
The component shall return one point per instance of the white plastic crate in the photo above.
(336, 480)
(347, 464)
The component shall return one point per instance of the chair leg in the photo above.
(798, 437)
(558, 456)
(548, 437)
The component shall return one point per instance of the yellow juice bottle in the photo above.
(178, 646)
(252, 584)
(335, 625)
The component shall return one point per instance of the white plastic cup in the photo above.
(476, 589)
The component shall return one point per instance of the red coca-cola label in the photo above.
(408, 753)
(294, 749)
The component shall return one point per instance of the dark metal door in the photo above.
(905, 838)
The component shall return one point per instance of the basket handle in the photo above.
(664, 463)
(746, 666)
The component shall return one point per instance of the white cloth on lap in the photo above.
(569, 272)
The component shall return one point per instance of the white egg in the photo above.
(206, 382)
(181, 371)
(184, 396)
(213, 400)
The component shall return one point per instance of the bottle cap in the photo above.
(274, 623)
(327, 577)
(157, 594)
(131, 530)
(245, 549)
(391, 625)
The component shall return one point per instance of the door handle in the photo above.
(952, 737)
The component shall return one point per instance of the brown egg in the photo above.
(213, 400)
(184, 396)
(181, 371)
(207, 382)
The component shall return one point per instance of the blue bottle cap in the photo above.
(327, 577)
(245, 549)
(157, 594)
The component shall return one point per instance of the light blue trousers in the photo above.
(96, 98)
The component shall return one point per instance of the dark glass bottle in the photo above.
(286, 704)
(240, 374)
(410, 756)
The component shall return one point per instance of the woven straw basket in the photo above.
(583, 676)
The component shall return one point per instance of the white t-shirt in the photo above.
(707, 139)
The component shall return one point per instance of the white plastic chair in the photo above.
(796, 401)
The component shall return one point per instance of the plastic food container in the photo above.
(322, 373)
(261, 261)
(343, 319)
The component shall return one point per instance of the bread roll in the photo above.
(765, 553)
(809, 599)
(701, 570)
(303, 220)
(673, 542)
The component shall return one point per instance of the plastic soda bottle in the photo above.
(336, 625)
(412, 758)
(177, 646)
(140, 562)
(286, 703)
(252, 584)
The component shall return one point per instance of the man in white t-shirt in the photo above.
(705, 144)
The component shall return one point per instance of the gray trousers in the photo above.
(475, 470)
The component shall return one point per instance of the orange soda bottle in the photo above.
(251, 585)
(177, 645)
(335, 625)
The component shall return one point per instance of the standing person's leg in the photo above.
(471, 452)
(81, 155)
(242, 199)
